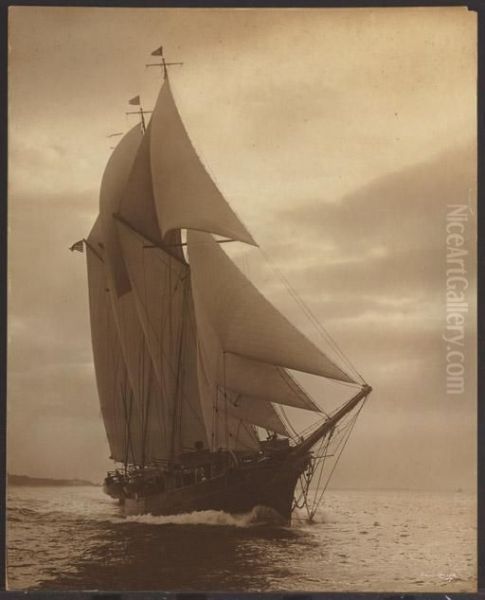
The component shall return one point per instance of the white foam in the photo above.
(259, 515)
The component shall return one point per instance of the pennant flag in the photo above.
(135, 101)
(158, 52)
(78, 246)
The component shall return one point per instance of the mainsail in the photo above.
(162, 294)
(114, 390)
(187, 355)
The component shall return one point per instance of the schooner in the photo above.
(192, 361)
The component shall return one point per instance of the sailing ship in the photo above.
(193, 363)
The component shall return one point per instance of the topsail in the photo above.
(185, 195)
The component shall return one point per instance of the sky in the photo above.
(339, 136)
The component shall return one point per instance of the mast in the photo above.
(136, 101)
(322, 431)
(164, 64)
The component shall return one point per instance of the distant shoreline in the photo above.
(26, 480)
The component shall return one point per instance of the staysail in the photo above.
(244, 320)
(265, 381)
(253, 410)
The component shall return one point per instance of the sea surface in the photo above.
(74, 538)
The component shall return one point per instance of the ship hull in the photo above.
(113, 490)
(238, 490)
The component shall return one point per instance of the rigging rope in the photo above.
(350, 426)
(340, 435)
(166, 324)
(312, 318)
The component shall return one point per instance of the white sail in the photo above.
(111, 377)
(151, 434)
(161, 287)
(149, 428)
(191, 422)
(113, 184)
(158, 281)
(252, 410)
(114, 383)
(185, 195)
(244, 320)
(264, 381)
(224, 430)
(137, 204)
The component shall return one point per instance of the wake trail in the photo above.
(259, 515)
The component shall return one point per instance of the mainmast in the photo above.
(164, 64)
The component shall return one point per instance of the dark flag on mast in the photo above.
(78, 246)
(164, 64)
(135, 101)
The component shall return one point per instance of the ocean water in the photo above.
(380, 541)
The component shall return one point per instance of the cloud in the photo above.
(387, 238)
(372, 266)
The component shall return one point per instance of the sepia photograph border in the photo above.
(479, 7)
